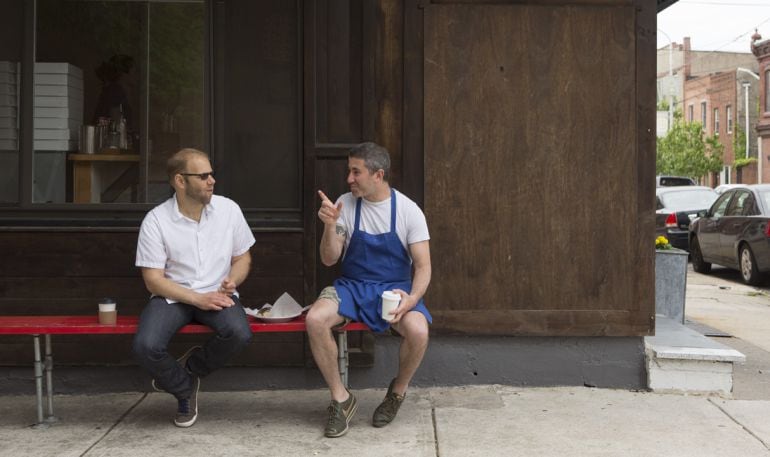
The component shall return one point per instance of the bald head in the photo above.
(177, 163)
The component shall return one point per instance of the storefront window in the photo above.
(118, 88)
(11, 38)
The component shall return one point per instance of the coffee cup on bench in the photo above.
(108, 314)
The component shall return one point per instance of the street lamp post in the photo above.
(746, 86)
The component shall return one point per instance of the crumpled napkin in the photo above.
(284, 307)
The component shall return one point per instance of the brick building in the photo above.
(761, 50)
(718, 102)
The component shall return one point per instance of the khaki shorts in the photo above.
(330, 293)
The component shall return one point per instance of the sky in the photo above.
(715, 25)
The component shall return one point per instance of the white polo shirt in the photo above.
(195, 255)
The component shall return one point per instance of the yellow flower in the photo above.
(661, 242)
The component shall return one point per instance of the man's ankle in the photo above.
(340, 396)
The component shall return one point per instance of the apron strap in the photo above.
(392, 210)
(358, 215)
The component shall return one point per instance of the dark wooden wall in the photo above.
(46, 272)
(526, 128)
(538, 181)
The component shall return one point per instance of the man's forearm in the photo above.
(239, 269)
(420, 281)
(166, 288)
(330, 250)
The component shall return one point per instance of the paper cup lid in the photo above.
(107, 301)
(390, 295)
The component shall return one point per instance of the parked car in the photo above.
(720, 189)
(666, 181)
(676, 207)
(735, 233)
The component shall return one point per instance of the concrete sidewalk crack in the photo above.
(120, 419)
(435, 431)
(738, 422)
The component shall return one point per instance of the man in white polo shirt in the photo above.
(193, 250)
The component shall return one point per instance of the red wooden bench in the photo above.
(88, 325)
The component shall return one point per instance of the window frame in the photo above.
(729, 115)
(727, 196)
(716, 121)
(703, 114)
(733, 206)
(29, 215)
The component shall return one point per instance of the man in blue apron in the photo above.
(383, 235)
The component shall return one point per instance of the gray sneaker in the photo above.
(339, 416)
(182, 361)
(386, 412)
(187, 410)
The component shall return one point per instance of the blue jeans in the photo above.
(161, 320)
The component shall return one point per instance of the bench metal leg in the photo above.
(49, 378)
(342, 356)
(38, 383)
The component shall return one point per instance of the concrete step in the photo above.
(680, 359)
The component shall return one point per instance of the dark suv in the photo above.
(665, 181)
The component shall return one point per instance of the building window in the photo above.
(143, 79)
(123, 76)
(690, 113)
(729, 110)
(703, 115)
(11, 37)
(716, 121)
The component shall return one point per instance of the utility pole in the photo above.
(746, 86)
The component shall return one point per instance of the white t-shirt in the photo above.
(411, 226)
(195, 255)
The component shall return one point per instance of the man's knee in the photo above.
(322, 316)
(415, 328)
(237, 331)
(315, 318)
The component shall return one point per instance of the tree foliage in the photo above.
(739, 145)
(687, 151)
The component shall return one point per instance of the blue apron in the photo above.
(372, 265)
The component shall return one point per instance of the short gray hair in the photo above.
(375, 157)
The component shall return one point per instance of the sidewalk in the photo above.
(440, 421)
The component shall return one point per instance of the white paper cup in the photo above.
(390, 301)
(108, 314)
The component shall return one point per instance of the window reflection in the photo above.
(11, 34)
(118, 88)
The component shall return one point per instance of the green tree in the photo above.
(687, 151)
(739, 146)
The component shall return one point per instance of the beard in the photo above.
(201, 196)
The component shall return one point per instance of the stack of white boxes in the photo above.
(58, 106)
(9, 104)
(9, 132)
(58, 117)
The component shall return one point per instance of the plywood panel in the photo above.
(532, 184)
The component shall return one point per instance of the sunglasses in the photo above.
(202, 176)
